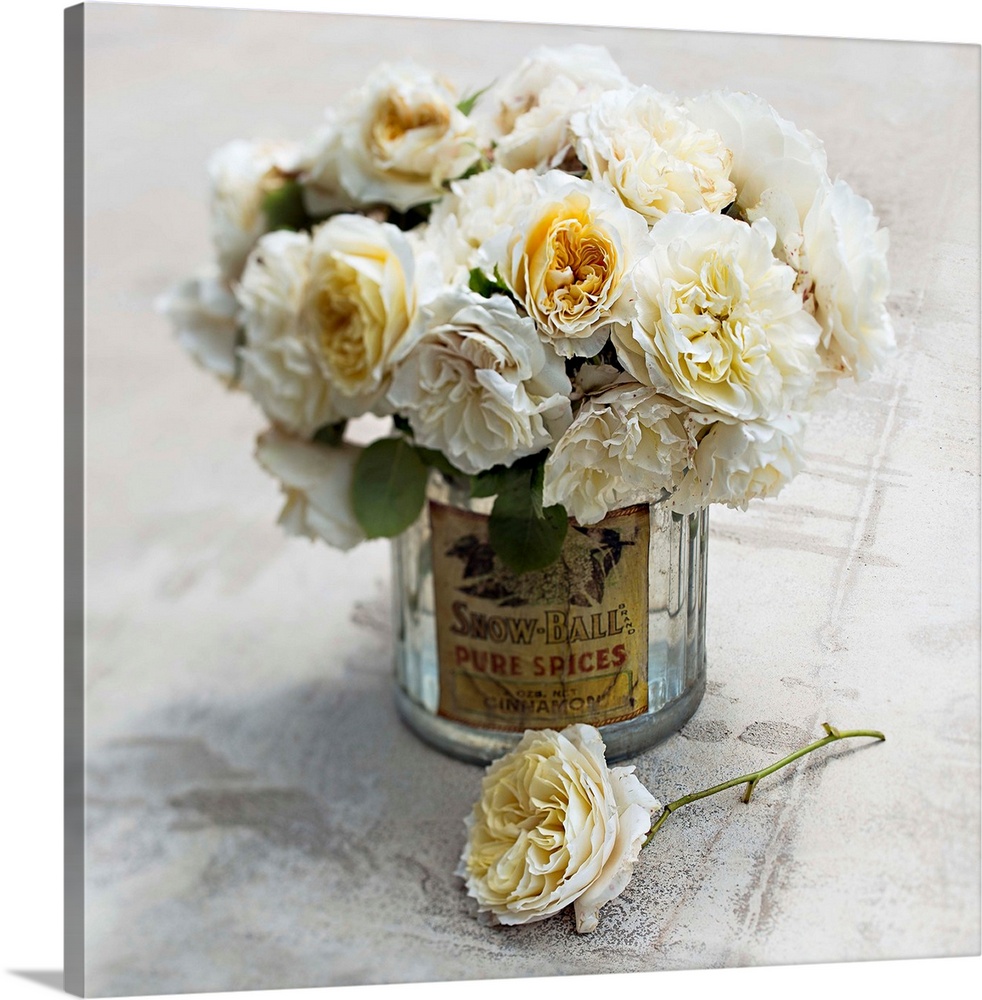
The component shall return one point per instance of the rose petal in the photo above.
(635, 807)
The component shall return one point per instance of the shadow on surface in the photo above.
(55, 978)
(275, 828)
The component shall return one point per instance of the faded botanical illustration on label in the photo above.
(547, 648)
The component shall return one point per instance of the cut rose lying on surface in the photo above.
(555, 826)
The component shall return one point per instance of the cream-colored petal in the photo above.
(635, 807)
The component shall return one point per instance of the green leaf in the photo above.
(284, 208)
(479, 282)
(525, 535)
(433, 458)
(494, 480)
(517, 476)
(240, 342)
(477, 167)
(466, 106)
(437, 460)
(389, 487)
(330, 434)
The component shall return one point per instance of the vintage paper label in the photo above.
(544, 649)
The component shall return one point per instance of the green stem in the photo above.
(750, 780)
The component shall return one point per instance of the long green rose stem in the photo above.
(750, 780)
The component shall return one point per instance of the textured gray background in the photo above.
(257, 817)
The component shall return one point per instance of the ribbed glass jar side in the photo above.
(676, 650)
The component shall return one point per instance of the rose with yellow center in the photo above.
(569, 260)
(396, 117)
(554, 826)
(400, 137)
(719, 325)
(359, 300)
(643, 145)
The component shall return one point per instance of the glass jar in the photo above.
(613, 634)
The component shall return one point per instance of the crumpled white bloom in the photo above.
(359, 301)
(846, 281)
(478, 384)
(316, 480)
(736, 462)
(279, 369)
(569, 259)
(204, 314)
(472, 214)
(777, 169)
(719, 325)
(242, 173)
(825, 231)
(553, 826)
(401, 136)
(320, 159)
(643, 145)
(773, 160)
(625, 446)
(526, 113)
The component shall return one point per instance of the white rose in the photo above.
(735, 463)
(473, 213)
(320, 173)
(478, 384)
(278, 368)
(204, 314)
(316, 480)
(625, 446)
(554, 826)
(777, 168)
(719, 325)
(644, 146)
(358, 303)
(771, 156)
(242, 173)
(401, 137)
(826, 232)
(847, 280)
(569, 259)
(526, 113)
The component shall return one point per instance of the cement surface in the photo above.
(257, 816)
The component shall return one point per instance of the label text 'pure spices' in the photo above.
(533, 650)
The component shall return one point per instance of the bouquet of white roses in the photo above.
(569, 292)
